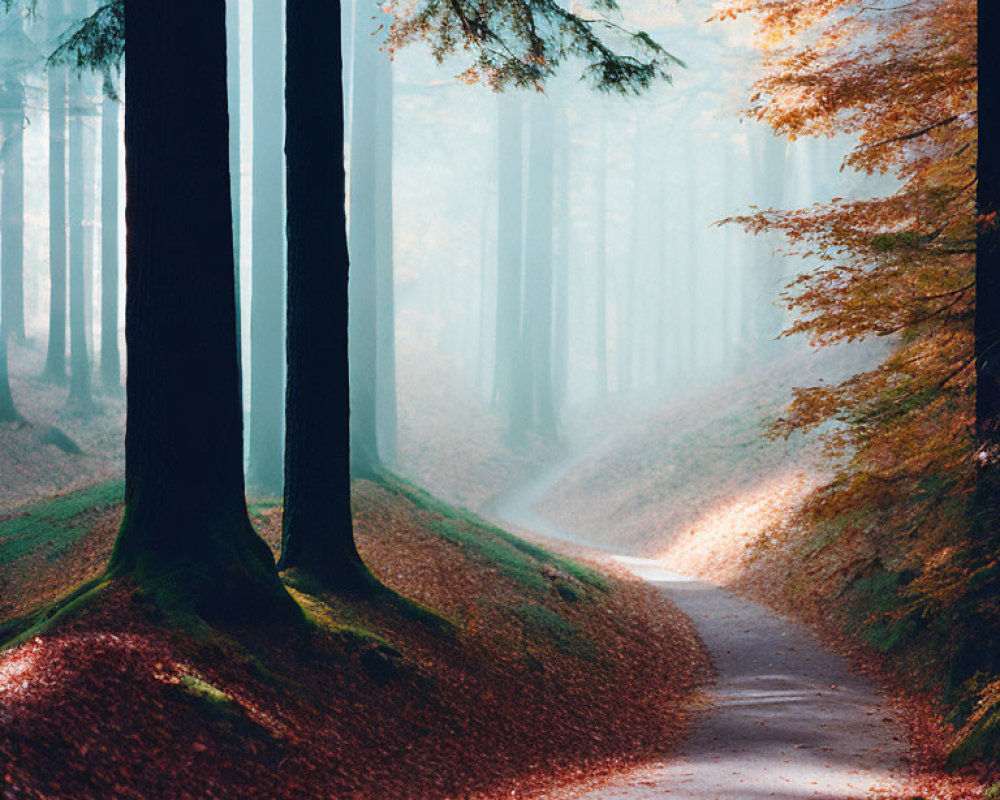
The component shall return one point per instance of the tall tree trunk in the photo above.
(601, 265)
(80, 400)
(233, 65)
(12, 203)
(387, 418)
(267, 308)
(560, 278)
(509, 234)
(987, 319)
(627, 317)
(55, 359)
(537, 337)
(317, 534)
(185, 536)
(8, 411)
(664, 329)
(111, 369)
(364, 281)
(770, 182)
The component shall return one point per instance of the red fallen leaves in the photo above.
(115, 706)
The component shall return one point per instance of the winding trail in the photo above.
(788, 719)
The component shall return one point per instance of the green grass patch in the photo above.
(518, 559)
(55, 525)
(563, 634)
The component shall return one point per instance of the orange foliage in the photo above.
(901, 79)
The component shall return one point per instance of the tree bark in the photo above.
(185, 536)
(509, 210)
(235, 156)
(317, 534)
(387, 417)
(12, 202)
(80, 399)
(560, 278)
(601, 265)
(111, 369)
(266, 305)
(55, 359)
(537, 338)
(364, 281)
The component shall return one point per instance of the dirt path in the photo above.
(788, 719)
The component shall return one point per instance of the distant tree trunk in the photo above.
(80, 400)
(560, 281)
(111, 369)
(12, 203)
(317, 535)
(509, 235)
(601, 266)
(267, 308)
(387, 419)
(627, 321)
(90, 211)
(692, 188)
(55, 360)
(8, 412)
(364, 281)
(664, 306)
(770, 189)
(235, 154)
(185, 536)
(537, 336)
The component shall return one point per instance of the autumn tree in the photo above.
(901, 79)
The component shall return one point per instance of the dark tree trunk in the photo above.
(12, 203)
(317, 535)
(80, 400)
(111, 370)
(977, 624)
(987, 321)
(537, 338)
(508, 314)
(387, 418)
(363, 287)
(186, 535)
(267, 307)
(55, 360)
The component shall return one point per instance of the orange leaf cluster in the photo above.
(900, 78)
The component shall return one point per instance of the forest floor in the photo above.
(547, 673)
(546, 677)
(32, 467)
(704, 494)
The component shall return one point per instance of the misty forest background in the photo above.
(728, 280)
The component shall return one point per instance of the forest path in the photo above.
(787, 719)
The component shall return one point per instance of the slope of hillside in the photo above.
(542, 671)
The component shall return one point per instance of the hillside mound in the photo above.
(541, 671)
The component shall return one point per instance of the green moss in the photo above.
(55, 525)
(63, 609)
(563, 634)
(518, 559)
(202, 690)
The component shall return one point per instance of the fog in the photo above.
(518, 259)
